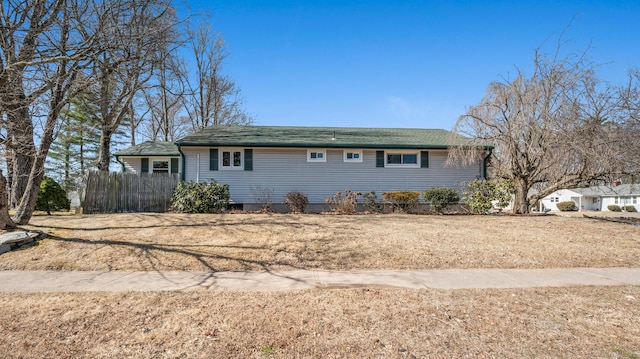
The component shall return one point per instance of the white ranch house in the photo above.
(596, 198)
(318, 161)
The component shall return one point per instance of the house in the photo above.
(596, 198)
(318, 161)
(150, 157)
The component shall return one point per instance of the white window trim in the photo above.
(317, 150)
(402, 165)
(162, 159)
(345, 159)
(221, 165)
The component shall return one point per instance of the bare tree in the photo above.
(127, 64)
(212, 98)
(44, 48)
(164, 99)
(558, 128)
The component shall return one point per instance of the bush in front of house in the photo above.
(296, 201)
(51, 196)
(200, 197)
(567, 206)
(614, 208)
(630, 209)
(402, 201)
(483, 195)
(344, 203)
(439, 198)
(371, 202)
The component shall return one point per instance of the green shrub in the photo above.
(402, 201)
(200, 197)
(346, 203)
(483, 195)
(371, 202)
(440, 198)
(630, 209)
(296, 201)
(614, 208)
(51, 196)
(567, 206)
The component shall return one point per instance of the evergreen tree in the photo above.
(74, 151)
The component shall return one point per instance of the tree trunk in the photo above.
(25, 209)
(5, 220)
(104, 151)
(520, 200)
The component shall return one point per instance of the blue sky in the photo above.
(414, 64)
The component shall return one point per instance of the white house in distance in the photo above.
(596, 198)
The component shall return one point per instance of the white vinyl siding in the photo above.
(287, 170)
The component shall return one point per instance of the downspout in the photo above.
(182, 163)
(485, 163)
(124, 169)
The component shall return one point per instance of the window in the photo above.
(555, 199)
(160, 166)
(231, 159)
(401, 159)
(316, 155)
(635, 200)
(352, 155)
(617, 200)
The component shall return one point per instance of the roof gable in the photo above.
(151, 148)
(328, 137)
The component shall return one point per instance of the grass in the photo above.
(580, 322)
(572, 322)
(140, 242)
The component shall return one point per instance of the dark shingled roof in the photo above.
(281, 136)
(151, 148)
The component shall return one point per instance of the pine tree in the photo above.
(74, 151)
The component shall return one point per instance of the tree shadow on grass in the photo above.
(151, 254)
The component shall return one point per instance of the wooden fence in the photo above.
(118, 192)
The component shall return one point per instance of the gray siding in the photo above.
(287, 170)
(131, 164)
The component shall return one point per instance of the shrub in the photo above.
(296, 201)
(440, 198)
(614, 208)
(346, 203)
(483, 195)
(567, 206)
(371, 202)
(402, 201)
(200, 197)
(630, 209)
(263, 196)
(51, 196)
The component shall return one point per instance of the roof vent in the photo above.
(334, 136)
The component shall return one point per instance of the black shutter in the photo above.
(379, 158)
(248, 159)
(144, 165)
(424, 159)
(213, 159)
(174, 165)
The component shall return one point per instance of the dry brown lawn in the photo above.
(139, 242)
(573, 322)
(581, 322)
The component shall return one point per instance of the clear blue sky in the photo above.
(402, 63)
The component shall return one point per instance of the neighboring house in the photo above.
(150, 157)
(596, 198)
(320, 161)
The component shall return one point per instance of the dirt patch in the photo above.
(228, 242)
(581, 322)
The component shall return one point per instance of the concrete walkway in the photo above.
(60, 281)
